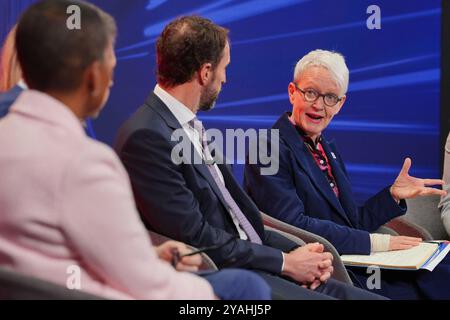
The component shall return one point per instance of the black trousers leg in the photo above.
(283, 289)
(343, 291)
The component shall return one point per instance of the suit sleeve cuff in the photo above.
(400, 203)
(395, 209)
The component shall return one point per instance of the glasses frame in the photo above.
(339, 99)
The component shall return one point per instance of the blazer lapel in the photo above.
(172, 122)
(204, 172)
(342, 181)
(307, 162)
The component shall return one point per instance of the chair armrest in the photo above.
(385, 229)
(340, 273)
(18, 286)
(408, 228)
(207, 262)
(291, 237)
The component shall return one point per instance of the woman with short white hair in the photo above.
(312, 191)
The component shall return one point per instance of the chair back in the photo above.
(17, 286)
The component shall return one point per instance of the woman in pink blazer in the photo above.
(67, 213)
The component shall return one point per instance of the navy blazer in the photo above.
(182, 201)
(299, 194)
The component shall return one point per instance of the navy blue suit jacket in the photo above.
(7, 99)
(300, 195)
(182, 201)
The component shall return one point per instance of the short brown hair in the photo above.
(185, 45)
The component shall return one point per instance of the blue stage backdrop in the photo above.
(392, 108)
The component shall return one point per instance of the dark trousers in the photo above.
(436, 284)
(408, 285)
(283, 289)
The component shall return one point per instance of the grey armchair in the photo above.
(422, 219)
(301, 236)
(424, 212)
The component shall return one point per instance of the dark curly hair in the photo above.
(185, 45)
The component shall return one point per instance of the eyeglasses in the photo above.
(311, 95)
(176, 256)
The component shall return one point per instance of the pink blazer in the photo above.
(66, 206)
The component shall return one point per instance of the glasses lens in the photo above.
(311, 95)
(330, 100)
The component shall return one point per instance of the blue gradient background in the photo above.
(392, 108)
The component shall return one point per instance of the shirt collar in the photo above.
(42, 106)
(22, 84)
(182, 113)
(305, 137)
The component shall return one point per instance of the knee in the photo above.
(253, 287)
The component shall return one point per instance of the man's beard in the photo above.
(208, 99)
